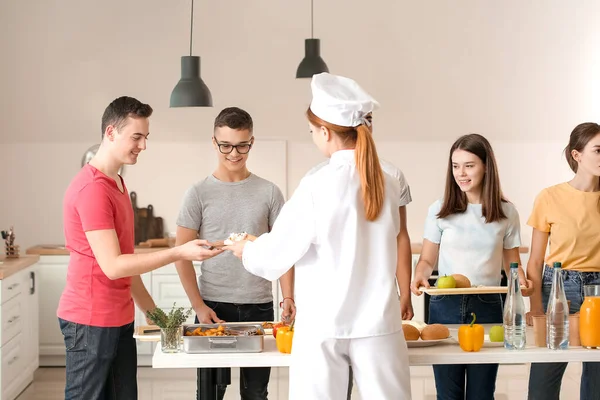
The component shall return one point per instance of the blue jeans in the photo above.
(545, 378)
(253, 381)
(101, 363)
(480, 378)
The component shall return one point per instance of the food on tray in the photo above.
(416, 323)
(470, 337)
(410, 332)
(413, 330)
(222, 330)
(199, 331)
(461, 281)
(267, 325)
(446, 282)
(435, 332)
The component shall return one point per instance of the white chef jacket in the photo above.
(345, 265)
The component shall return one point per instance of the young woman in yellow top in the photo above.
(569, 215)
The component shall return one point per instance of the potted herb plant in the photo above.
(171, 326)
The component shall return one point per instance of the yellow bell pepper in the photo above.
(285, 336)
(470, 337)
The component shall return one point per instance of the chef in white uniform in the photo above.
(339, 229)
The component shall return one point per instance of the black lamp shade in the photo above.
(191, 91)
(312, 62)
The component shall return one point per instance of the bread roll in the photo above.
(461, 281)
(417, 324)
(410, 332)
(435, 332)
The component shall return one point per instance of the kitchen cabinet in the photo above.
(52, 275)
(19, 333)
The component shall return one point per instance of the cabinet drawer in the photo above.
(167, 289)
(11, 287)
(12, 361)
(11, 318)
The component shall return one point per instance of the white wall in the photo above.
(32, 197)
(522, 74)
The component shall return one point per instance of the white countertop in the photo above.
(446, 353)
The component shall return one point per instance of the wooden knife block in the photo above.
(12, 251)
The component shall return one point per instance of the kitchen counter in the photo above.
(52, 250)
(60, 250)
(447, 353)
(10, 266)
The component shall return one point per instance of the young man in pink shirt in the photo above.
(96, 309)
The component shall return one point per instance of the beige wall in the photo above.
(522, 74)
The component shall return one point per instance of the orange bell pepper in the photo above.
(275, 328)
(285, 336)
(470, 337)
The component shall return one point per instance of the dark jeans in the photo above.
(253, 381)
(101, 363)
(545, 378)
(480, 378)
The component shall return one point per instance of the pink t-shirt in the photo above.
(94, 202)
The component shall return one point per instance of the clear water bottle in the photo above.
(557, 313)
(514, 322)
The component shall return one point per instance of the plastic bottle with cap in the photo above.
(514, 321)
(557, 313)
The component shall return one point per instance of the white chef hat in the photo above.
(340, 100)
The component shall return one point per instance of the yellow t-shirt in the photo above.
(572, 218)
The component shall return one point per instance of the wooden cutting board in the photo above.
(146, 225)
(147, 333)
(472, 290)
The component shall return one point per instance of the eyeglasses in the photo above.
(227, 148)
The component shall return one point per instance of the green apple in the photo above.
(446, 282)
(497, 333)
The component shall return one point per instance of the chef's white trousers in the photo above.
(319, 368)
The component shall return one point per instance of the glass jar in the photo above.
(589, 317)
(170, 339)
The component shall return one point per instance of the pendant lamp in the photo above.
(191, 91)
(312, 62)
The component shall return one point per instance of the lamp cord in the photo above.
(311, 19)
(192, 26)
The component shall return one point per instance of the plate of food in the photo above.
(233, 237)
(419, 334)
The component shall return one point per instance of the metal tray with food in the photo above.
(223, 338)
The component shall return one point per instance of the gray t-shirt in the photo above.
(216, 209)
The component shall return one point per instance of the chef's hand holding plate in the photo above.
(237, 248)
